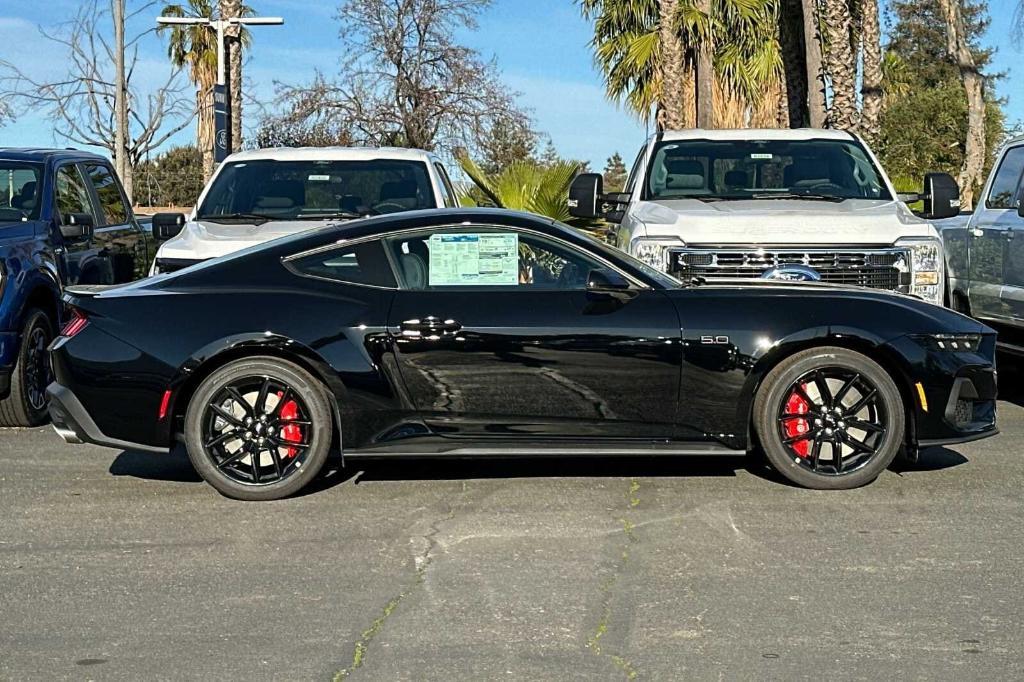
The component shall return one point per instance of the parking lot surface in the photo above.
(123, 565)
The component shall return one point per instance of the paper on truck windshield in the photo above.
(473, 259)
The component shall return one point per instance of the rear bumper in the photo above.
(74, 425)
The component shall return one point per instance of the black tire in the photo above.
(830, 423)
(274, 471)
(26, 405)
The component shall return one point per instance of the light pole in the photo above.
(221, 100)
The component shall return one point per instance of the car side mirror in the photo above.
(1020, 202)
(77, 226)
(585, 195)
(167, 225)
(941, 196)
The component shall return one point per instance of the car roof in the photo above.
(45, 153)
(435, 217)
(756, 134)
(330, 154)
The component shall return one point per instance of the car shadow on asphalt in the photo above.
(174, 466)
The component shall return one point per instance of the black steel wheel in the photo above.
(26, 404)
(829, 418)
(259, 429)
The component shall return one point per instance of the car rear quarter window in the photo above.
(1006, 185)
(19, 190)
(112, 207)
(363, 263)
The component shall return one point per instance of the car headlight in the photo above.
(927, 268)
(950, 342)
(654, 252)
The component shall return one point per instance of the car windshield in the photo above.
(312, 190)
(19, 190)
(817, 169)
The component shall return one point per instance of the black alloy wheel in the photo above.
(829, 418)
(259, 429)
(26, 405)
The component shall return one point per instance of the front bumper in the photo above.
(74, 425)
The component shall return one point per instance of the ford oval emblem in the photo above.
(792, 273)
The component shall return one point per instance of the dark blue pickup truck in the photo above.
(64, 219)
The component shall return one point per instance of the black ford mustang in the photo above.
(482, 332)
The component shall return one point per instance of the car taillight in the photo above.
(75, 323)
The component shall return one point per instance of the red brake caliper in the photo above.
(795, 427)
(291, 432)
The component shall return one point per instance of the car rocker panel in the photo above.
(367, 335)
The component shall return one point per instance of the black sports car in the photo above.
(483, 332)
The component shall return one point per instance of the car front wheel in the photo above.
(829, 418)
(259, 429)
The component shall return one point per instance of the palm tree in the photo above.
(871, 78)
(525, 186)
(691, 60)
(238, 39)
(195, 46)
(842, 63)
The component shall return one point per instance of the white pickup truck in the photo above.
(733, 205)
(259, 195)
(985, 250)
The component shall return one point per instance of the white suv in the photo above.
(255, 196)
(808, 204)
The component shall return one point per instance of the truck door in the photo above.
(118, 236)
(992, 238)
(1012, 295)
(79, 259)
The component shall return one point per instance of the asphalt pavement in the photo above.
(123, 565)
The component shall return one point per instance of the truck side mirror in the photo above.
(77, 226)
(585, 195)
(941, 196)
(167, 225)
(1020, 202)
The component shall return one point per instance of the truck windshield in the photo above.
(827, 170)
(311, 190)
(19, 190)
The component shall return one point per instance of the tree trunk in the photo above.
(705, 78)
(676, 100)
(813, 60)
(871, 81)
(793, 94)
(960, 52)
(842, 65)
(205, 128)
(231, 9)
(122, 163)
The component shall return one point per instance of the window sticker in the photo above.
(319, 178)
(473, 259)
(760, 155)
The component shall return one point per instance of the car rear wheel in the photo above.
(829, 418)
(259, 429)
(26, 404)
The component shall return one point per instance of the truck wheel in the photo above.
(259, 429)
(829, 418)
(26, 405)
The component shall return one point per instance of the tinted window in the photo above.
(488, 256)
(72, 196)
(112, 206)
(307, 190)
(760, 169)
(634, 172)
(19, 190)
(358, 264)
(1006, 184)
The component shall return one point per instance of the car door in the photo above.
(118, 236)
(496, 335)
(80, 260)
(993, 240)
(1012, 294)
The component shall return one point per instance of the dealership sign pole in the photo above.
(221, 98)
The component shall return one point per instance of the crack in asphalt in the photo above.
(421, 562)
(607, 588)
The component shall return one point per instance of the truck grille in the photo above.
(874, 268)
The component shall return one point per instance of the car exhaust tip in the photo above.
(68, 435)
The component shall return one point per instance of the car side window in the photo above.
(112, 207)
(485, 256)
(1006, 185)
(72, 195)
(363, 263)
(634, 172)
(450, 199)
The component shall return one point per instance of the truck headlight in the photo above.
(927, 268)
(654, 252)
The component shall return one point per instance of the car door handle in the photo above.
(1010, 233)
(978, 232)
(429, 326)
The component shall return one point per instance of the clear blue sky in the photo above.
(540, 47)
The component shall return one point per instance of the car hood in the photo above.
(781, 221)
(202, 239)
